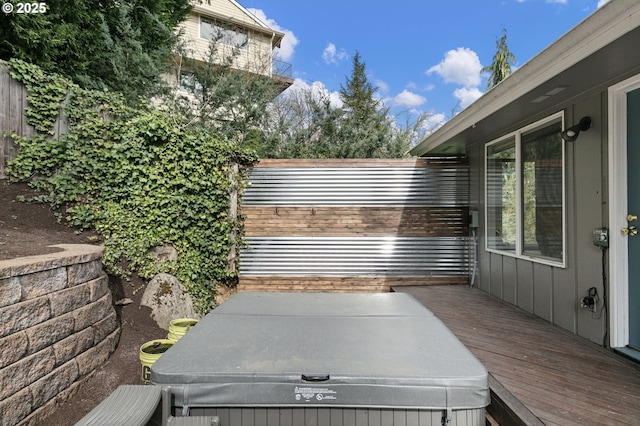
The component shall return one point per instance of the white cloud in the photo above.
(461, 66)
(434, 121)
(557, 1)
(331, 55)
(289, 41)
(382, 86)
(408, 99)
(317, 89)
(602, 3)
(467, 95)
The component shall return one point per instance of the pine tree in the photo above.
(358, 94)
(366, 130)
(306, 124)
(500, 68)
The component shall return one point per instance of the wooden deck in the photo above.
(557, 377)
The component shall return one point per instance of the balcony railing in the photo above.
(282, 69)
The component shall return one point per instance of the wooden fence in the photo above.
(355, 225)
(13, 102)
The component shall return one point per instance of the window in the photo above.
(224, 34)
(525, 193)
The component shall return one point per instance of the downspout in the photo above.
(273, 36)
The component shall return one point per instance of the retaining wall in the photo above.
(57, 325)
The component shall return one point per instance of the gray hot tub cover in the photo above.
(383, 350)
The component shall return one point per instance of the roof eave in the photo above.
(602, 27)
(257, 25)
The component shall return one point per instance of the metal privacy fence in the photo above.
(354, 225)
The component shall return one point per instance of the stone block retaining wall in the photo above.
(57, 325)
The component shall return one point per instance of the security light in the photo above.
(571, 134)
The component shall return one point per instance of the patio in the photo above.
(539, 372)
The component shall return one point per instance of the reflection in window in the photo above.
(224, 34)
(542, 192)
(501, 195)
(525, 192)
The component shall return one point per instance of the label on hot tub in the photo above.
(310, 394)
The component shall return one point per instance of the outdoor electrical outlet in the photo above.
(590, 302)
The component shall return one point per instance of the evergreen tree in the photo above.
(366, 129)
(305, 124)
(122, 45)
(500, 68)
(216, 95)
(358, 94)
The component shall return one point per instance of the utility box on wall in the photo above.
(325, 359)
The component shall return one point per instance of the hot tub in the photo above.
(324, 359)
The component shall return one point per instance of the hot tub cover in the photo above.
(381, 350)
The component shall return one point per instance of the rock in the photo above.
(168, 300)
(164, 253)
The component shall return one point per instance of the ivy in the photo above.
(141, 177)
(46, 92)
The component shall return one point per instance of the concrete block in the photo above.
(44, 282)
(83, 272)
(15, 408)
(96, 356)
(105, 327)
(10, 291)
(88, 315)
(99, 287)
(13, 348)
(73, 345)
(21, 374)
(48, 387)
(69, 299)
(23, 315)
(50, 332)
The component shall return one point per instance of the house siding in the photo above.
(550, 292)
(255, 58)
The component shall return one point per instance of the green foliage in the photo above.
(358, 94)
(305, 124)
(500, 68)
(141, 177)
(122, 45)
(216, 95)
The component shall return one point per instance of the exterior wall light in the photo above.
(571, 134)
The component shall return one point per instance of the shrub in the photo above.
(141, 177)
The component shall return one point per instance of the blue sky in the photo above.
(424, 56)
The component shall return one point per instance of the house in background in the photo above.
(237, 34)
(557, 229)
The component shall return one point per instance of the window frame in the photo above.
(215, 24)
(519, 250)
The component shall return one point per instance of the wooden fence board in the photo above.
(357, 220)
(13, 102)
(340, 284)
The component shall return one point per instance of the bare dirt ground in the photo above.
(27, 229)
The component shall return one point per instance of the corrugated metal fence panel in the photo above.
(358, 186)
(362, 256)
(403, 218)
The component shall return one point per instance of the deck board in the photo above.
(561, 378)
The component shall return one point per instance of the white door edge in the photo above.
(618, 255)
